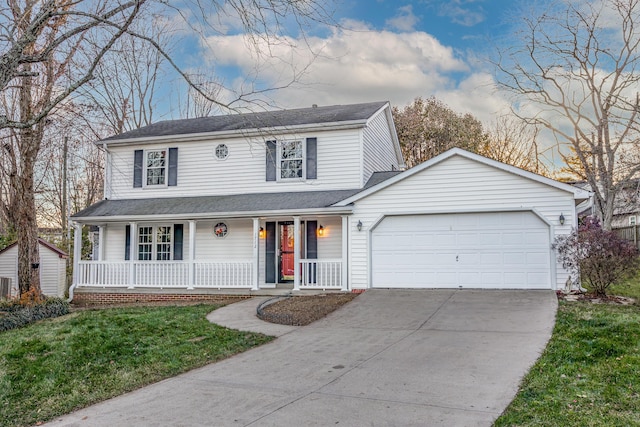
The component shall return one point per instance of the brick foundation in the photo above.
(104, 298)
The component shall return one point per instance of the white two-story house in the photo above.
(312, 198)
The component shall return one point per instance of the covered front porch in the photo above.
(293, 252)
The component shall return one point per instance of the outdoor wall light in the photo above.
(320, 231)
(561, 219)
(359, 225)
(261, 233)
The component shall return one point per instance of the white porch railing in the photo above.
(238, 274)
(102, 273)
(165, 274)
(321, 274)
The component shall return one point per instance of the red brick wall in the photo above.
(100, 298)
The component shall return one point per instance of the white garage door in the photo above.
(499, 250)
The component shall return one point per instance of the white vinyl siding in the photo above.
(200, 173)
(9, 267)
(237, 245)
(330, 245)
(378, 152)
(456, 185)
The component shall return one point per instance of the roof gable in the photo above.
(578, 193)
(264, 120)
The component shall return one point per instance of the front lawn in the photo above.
(59, 365)
(589, 374)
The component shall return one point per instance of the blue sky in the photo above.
(380, 50)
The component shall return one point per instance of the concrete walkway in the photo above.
(401, 358)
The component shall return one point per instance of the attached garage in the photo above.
(465, 250)
(460, 220)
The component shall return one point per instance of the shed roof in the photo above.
(50, 246)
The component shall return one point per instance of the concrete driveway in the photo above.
(389, 358)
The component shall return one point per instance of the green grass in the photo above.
(630, 288)
(589, 375)
(59, 365)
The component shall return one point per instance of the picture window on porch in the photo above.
(156, 167)
(154, 243)
(290, 159)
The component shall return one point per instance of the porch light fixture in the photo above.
(261, 233)
(561, 219)
(320, 231)
(359, 226)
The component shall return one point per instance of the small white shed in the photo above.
(52, 270)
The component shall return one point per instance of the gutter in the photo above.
(213, 215)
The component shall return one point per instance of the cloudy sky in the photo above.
(379, 50)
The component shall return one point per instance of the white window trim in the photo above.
(154, 242)
(279, 160)
(144, 168)
(633, 220)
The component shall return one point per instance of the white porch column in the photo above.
(133, 244)
(101, 243)
(296, 253)
(345, 252)
(192, 254)
(256, 259)
(77, 250)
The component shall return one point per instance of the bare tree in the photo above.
(49, 49)
(575, 74)
(515, 143)
(427, 128)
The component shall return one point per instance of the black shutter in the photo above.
(137, 168)
(312, 249)
(270, 253)
(127, 242)
(312, 158)
(178, 237)
(271, 161)
(173, 167)
(312, 240)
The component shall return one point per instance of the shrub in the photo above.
(598, 257)
(14, 315)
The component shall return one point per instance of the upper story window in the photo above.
(290, 159)
(156, 167)
(293, 159)
(632, 220)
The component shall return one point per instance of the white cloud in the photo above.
(463, 12)
(352, 65)
(404, 20)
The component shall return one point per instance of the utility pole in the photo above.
(63, 212)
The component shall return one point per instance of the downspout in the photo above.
(77, 248)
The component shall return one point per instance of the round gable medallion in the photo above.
(222, 151)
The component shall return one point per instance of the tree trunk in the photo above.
(27, 233)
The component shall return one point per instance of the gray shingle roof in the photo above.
(251, 121)
(378, 177)
(237, 203)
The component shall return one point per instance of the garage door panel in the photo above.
(482, 250)
(537, 238)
